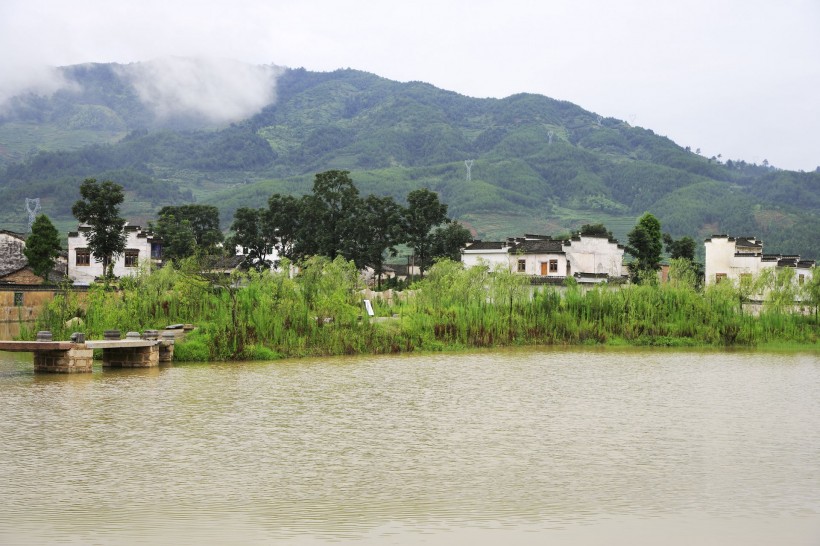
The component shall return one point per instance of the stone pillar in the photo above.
(166, 346)
(166, 350)
(131, 357)
(78, 359)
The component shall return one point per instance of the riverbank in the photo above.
(320, 312)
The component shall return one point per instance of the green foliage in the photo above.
(99, 209)
(645, 245)
(42, 246)
(249, 233)
(267, 315)
(595, 230)
(448, 241)
(681, 248)
(423, 213)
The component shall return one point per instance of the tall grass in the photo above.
(319, 312)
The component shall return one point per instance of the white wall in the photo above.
(85, 274)
(595, 255)
(720, 259)
(534, 261)
(489, 257)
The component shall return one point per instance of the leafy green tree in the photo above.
(99, 209)
(379, 230)
(42, 246)
(423, 213)
(282, 221)
(203, 222)
(811, 292)
(595, 230)
(328, 217)
(178, 240)
(249, 232)
(449, 240)
(645, 245)
(682, 248)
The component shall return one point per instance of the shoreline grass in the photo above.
(319, 312)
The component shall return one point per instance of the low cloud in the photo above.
(219, 90)
(38, 80)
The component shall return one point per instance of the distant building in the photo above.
(14, 268)
(142, 247)
(585, 258)
(12, 258)
(730, 258)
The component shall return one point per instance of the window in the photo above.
(83, 256)
(553, 266)
(18, 299)
(801, 278)
(522, 266)
(719, 277)
(156, 251)
(132, 258)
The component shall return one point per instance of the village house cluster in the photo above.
(731, 258)
(588, 259)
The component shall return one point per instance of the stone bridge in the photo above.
(78, 356)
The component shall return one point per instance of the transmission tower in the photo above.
(469, 164)
(550, 135)
(32, 207)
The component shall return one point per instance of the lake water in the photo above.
(537, 446)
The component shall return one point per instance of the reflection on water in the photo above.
(10, 330)
(578, 447)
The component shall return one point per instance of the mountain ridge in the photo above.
(538, 163)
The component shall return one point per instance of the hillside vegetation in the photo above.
(539, 165)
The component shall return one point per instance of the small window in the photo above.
(553, 266)
(522, 266)
(801, 278)
(719, 277)
(132, 258)
(83, 256)
(18, 299)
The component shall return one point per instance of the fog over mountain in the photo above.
(219, 90)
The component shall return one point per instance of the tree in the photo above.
(811, 292)
(99, 209)
(424, 212)
(682, 248)
(249, 233)
(645, 245)
(202, 222)
(379, 230)
(449, 240)
(178, 240)
(42, 246)
(282, 221)
(595, 230)
(328, 217)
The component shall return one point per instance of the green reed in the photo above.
(319, 311)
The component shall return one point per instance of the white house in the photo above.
(489, 253)
(588, 258)
(141, 247)
(730, 258)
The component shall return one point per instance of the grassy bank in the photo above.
(319, 312)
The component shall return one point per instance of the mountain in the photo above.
(536, 164)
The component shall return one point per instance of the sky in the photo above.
(739, 78)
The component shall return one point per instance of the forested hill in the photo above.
(537, 164)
